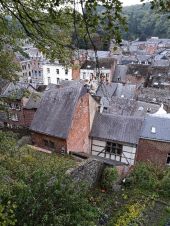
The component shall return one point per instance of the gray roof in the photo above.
(155, 95)
(126, 90)
(162, 128)
(106, 89)
(120, 72)
(34, 101)
(105, 63)
(161, 63)
(117, 128)
(130, 107)
(3, 84)
(56, 110)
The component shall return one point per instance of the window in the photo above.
(114, 148)
(66, 71)
(49, 80)
(18, 106)
(48, 70)
(168, 159)
(45, 143)
(57, 71)
(49, 144)
(13, 116)
(58, 80)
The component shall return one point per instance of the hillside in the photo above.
(144, 23)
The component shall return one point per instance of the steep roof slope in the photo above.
(117, 128)
(56, 110)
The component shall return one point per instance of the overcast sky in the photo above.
(130, 2)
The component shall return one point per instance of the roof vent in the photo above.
(153, 129)
(88, 66)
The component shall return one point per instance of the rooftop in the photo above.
(117, 128)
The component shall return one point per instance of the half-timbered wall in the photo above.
(114, 150)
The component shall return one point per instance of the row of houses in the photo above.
(68, 119)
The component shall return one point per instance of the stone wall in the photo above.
(88, 171)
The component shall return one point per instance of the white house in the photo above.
(53, 73)
(106, 68)
(115, 137)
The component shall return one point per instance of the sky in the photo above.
(130, 2)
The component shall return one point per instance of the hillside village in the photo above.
(116, 108)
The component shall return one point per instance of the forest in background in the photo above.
(144, 23)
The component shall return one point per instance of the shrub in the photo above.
(143, 176)
(165, 184)
(109, 177)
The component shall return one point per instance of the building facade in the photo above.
(53, 73)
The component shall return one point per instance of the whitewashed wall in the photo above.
(53, 73)
(85, 74)
(128, 154)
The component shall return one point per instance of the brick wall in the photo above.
(76, 70)
(59, 143)
(153, 151)
(78, 139)
(28, 116)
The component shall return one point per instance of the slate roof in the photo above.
(106, 89)
(162, 128)
(106, 63)
(56, 110)
(116, 128)
(34, 101)
(120, 72)
(125, 90)
(130, 107)
(155, 95)
(3, 84)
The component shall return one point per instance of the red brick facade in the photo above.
(153, 151)
(28, 116)
(38, 139)
(76, 70)
(78, 139)
(19, 116)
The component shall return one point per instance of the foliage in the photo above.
(165, 184)
(143, 22)
(150, 177)
(109, 177)
(8, 65)
(7, 217)
(37, 184)
(131, 215)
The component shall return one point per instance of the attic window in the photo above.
(168, 159)
(153, 129)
